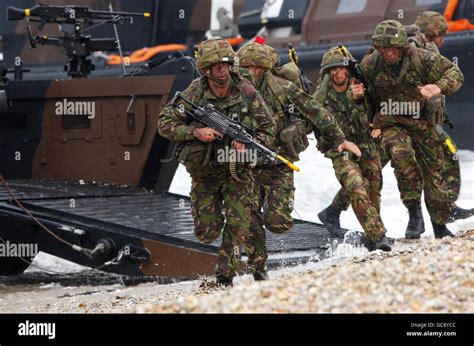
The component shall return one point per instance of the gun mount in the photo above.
(71, 20)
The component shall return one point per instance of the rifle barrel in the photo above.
(14, 13)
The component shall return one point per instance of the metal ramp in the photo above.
(160, 223)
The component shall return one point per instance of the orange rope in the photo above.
(450, 9)
(145, 54)
(456, 25)
(234, 41)
(460, 25)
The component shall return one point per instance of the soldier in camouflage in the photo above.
(406, 79)
(274, 183)
(361, 179)
(221, 190)
(432, 28)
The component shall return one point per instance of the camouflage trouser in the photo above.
(413, 150)
(451, 174)
(272, 206)
(342, 200)
(209, 197)
(362, 182)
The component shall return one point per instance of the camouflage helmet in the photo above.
(254, 54)
(213, 51)
(273, 55)
(432, 24)
(390, 33)
(333, 58)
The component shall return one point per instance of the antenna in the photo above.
(117, 38)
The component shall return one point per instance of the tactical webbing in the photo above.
(323, 90)
(281, 96)
(416, 62)
(276, 88)
(372, 63)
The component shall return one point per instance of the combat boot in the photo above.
(458, 213)
(223, 281)
(441, 231)
(260, 276)
(416, 225)
(383, 244)
(330, 219)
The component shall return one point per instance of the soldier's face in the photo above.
(438, 41)
(391, 55)
(339, 75)
(220, 73)
(256, 72)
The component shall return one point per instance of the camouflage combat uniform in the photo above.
(410, 139)
(361, 179)
(214, 189)
(342, 200)
(274, 182)
(433, 24)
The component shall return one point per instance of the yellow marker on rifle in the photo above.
(446, 139)
(451, 146)
(292, 53)
(288, 163)
(343, 50)
(27, 12)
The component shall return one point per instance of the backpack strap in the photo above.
(323, 89)
(373, 61)
(416, 61)
(196, 97)
(276, 88)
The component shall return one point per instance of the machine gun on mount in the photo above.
(70, 20)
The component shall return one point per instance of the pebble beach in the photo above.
(433, 277)
(428, 276)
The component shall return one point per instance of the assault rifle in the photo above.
(212, 118)
(305, 82)
(356, 72)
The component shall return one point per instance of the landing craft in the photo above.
(93, 190)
